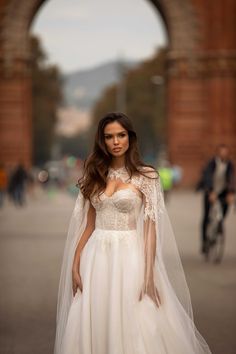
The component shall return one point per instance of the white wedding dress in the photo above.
(109, 317)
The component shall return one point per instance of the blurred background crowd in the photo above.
(19, 185)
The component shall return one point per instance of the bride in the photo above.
(122, 287)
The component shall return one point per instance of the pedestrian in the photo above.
(17, 185)
(122, 287)
(3, 184)
(217, 183)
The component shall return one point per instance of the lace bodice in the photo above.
(120, 210)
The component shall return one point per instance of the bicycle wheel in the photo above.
(211, 241)
(216, 243)
(215, 234)
(217, 249)
(211, 238)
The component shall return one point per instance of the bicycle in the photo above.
(215, 234)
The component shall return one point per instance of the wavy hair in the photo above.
(97, 164)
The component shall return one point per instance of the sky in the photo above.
(80, 34)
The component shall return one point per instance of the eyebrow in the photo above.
(123, 131)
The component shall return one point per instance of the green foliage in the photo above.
(47, 94)
(145, 103)
(77, 145)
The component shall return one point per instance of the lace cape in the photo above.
(163, 268)
(148, 185)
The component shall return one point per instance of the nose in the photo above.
(115, 140)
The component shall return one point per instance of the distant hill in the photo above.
(83, 87)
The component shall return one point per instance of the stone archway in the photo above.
(201, 102)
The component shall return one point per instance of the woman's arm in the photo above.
(90, 226)
(150, 187)
(150, 244)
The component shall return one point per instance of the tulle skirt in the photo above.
(108, 317)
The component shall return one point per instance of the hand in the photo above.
(230, 198)
(76, 280)
(152, 292)
(212, 197)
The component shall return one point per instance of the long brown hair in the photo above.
(98, 162)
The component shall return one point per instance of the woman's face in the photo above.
(116, 139)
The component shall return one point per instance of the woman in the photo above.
(122, 287)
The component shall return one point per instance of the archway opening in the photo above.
(110, 60)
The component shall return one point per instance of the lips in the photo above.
(116, 149)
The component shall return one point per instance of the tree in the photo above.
(145, 103)
(47, 95)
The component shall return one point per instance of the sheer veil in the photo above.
(163, 267)
(65, 295)
(162, 273)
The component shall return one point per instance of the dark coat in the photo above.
(206, 181)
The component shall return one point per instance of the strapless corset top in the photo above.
(118, 211)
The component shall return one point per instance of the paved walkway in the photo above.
(31, 246)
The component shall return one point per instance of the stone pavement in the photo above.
(31, 246)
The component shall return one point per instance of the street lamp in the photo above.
(157, 80)
(121, 88)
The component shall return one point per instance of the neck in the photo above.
(118, 162)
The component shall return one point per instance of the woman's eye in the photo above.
(122, 135)
(107, 137)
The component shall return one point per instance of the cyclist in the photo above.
(217, 182)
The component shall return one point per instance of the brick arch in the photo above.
(179, 18)
(14, 31)
(182, 25)
(199, 72)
